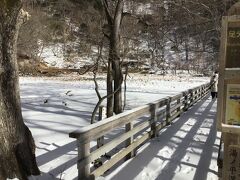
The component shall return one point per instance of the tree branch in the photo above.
(107, 12)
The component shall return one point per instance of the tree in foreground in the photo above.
(17, 149)
(113, 12)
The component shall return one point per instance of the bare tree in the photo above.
(17, 150)
(114, 17)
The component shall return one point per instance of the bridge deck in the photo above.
(186, 150)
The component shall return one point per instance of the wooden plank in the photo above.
(191, 97)
(98, 129)
(229, 73)
(161, 114)
(233, 73)
(230, 141)
(129, 141)
(233, 163)
(161, 126)
(85, 135)
(179, 104)
(154, 120)
(176, 107)
(100, 141)
(176, 97)
(83, 151)
(112, 144)
(161, 103)
(185, 101)
(168, 111)
(230, 129)
(175, 115)
(234, 18)
(120, 155)
(224, 74)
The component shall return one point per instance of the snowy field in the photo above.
(53, 107)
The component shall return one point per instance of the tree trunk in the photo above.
(17, 150)
(118, 79)
(109, 89)
(114, 65)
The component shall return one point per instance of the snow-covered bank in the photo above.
(53, 107)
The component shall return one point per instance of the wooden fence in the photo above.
(155, 116)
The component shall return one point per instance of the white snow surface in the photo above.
(54, 107)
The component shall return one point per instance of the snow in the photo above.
(54, 107)
(54, 56)
(187, 151)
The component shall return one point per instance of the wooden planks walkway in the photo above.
(186, 151)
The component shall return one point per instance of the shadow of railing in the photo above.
(200, 113)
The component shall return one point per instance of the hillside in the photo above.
(69, 34)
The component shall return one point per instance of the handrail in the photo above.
(159, 114)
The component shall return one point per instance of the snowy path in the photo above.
(186, 150)
(176, 154)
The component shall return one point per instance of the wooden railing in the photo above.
(154, 117)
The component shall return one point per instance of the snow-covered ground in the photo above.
(187, 150)
(53, 107)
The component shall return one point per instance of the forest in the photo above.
(133, 52)
(154, 35)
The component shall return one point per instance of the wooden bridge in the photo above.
(126, 133)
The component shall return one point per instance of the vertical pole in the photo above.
(179, 102)
(201, 92)
(191, 97)
(198, 94)
(153, 120)
(100, 140)
(168, 113)
(185, 108)
(83, 151)
(195, 95)
(129, 141)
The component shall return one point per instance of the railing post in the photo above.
(205, 90)
(129, 141)
(191, 97)
(185, 108)
(197, 96)
(153, 120)
(83, 151)
(202, 92)
(168, 113)
(178, 102)
(100, 140)
(194, 96)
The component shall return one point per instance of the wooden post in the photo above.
(195, 94)
(129, 141)
(205, 90)
(185, 108)
(168, 113)
(191, 97)
(100, 140)
(153, 119)
(83, 151)
(228, 109)
(231, 159)
(179, 108)
(198, 94)
(202, 92)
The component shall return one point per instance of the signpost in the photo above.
(229, 96)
